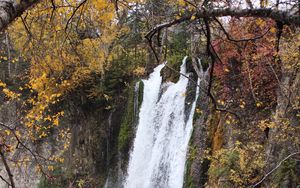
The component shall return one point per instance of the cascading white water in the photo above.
(160, 147)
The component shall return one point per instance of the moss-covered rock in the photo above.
(170, 73)
(126, 130)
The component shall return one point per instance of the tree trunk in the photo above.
(10, 10)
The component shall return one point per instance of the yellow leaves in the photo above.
(289, 52)
(242, 157)
(9, 148)
(18, 134)
(59, 63)
(263, 124)
(66, 145)
(260, 22)
(107, 97)
(181, 3)
(43, 134)
(238, 143)
(55, 121)
(242, 104)
(258, 104)
(101, 4)
(9, 94)
(221, 102)
(235, 177)
(7, 132)
(139, 71)
(6, 91)
(2, 84)
(57, 159)
(193, 17)
(80, 183)
(50, 168)
(238, 163)
(198, 111)
(55, 56)
(230, 120)
(48, 118)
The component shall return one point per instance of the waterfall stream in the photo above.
(160, 146)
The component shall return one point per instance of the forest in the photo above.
(149, 93)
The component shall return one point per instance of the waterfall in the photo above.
(160, 146)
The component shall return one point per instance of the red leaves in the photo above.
(247, 69)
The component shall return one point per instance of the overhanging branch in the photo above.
(10, 10)
(278, 15)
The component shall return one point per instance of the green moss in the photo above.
(188, 182)
(126, 129)
(287, 171)
(141, 93)
(174, 63)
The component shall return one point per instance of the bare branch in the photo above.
(7, 168)
(35, 155)
(76, 9)
(276, 167)
(239, 40)
(282, 16)
(3, 179)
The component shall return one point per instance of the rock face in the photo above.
(100, 142)
(196, 170)
(23, 177)
(92, 152)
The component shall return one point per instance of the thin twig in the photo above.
(3, 179)
(36, 156)
(7, 168)
(239, 40)
(70, 19)
(276, 167)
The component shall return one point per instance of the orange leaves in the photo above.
(273, 30)
(260, 22)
